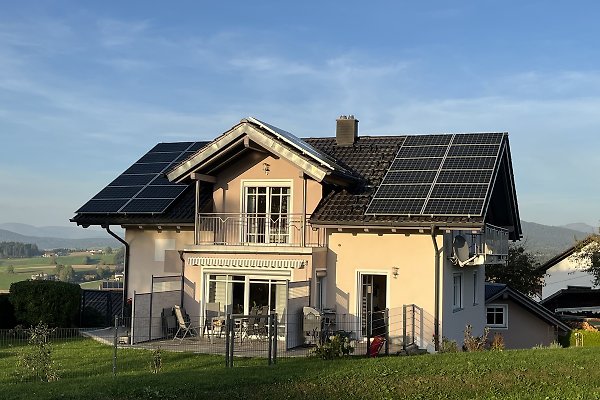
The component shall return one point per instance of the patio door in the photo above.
(373, 298)
(266, 211)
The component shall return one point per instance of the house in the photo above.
(353, 224)
(566, 269)
(580, 301)
(522, 322)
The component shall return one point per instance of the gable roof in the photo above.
(567, 253)
(573, 297)
(495, 291)
(351, 176)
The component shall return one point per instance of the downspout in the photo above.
(125, 268)
(436, 328)
(182, 276)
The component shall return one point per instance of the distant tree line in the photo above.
(18, 250)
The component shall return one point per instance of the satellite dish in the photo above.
(460, 251)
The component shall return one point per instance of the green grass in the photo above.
(527, 374)
(25, 267)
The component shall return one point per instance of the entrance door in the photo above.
(373, 290)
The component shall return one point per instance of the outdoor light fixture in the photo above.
(266, 168)
(395, 271)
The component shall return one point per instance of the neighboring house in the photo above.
(574, 300)
(259, 217)
(522, 322)
(566, 270)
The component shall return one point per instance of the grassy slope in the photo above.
(531, 374)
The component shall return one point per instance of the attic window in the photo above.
(497, 316)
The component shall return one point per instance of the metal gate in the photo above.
(251, 335)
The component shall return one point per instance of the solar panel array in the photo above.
(143, 187)
(442, 175)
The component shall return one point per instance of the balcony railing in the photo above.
(251, 229)
(487, 247)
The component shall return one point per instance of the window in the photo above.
(320, 289)
(496, 316)
(267, 214)
(475, 288)
(457, 293)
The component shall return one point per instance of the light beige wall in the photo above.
(145, 257)
(228, 189)
(525, 329)
(568, 272)
(351, 252)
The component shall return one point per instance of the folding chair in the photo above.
(184, 327)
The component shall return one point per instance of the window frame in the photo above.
(504, 308)
(459, 306)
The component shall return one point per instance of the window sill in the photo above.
(457, 309)
(500, 327)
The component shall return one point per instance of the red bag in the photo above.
(376, 346)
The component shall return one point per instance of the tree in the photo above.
(108, 250)
(10, 269)
(120, 257)
(521, 271)
(587, 254)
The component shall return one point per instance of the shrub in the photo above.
(475, 343)
(52, 303)
(590, 338)
(36, 359)
(336, 347)
(7, 312)
(448, 346)
(156, 363)
(497, 342)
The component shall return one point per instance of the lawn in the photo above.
(525, 374)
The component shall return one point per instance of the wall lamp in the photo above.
(395, 271)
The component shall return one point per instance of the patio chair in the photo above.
(185, 327)
(212, 319)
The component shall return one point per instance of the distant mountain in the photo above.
(65, 232)
(54, 243)
(547, 241)
(580, 226)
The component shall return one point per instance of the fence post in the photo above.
(412, 339)
(269, 338)
(275, 329)
(231, 340)
(386, 321)
(422, 326)
(404, 327)
(369, 322)
(115, 342)
(227, 333)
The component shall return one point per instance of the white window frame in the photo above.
(267, 183)
(459, 306)
(504, 308)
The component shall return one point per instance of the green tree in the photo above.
(120, 257)
(521, 271)
(108, 250)
(587, 254)
(10, 269)
(66, 274)
(87, 260)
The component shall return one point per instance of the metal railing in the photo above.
(496, 241)
(249, 229)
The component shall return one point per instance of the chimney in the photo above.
(346, 131)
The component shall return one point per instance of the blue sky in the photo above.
(87, 87)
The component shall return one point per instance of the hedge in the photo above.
(50, 302)
(590, 338)
(7, 312)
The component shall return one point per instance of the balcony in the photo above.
(487, 247)
(258, 229)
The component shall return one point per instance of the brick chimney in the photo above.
(346, 131)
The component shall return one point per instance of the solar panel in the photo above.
(143, 188)
(439, 175)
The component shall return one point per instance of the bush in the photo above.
(36, 359)
(52, 303)
(7, 312)
(448, 346)
(336, 347)
(497, 342)
(475, 343)
(590, 338)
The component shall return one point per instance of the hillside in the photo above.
(65, 232)
(55, 242)
(547, 241)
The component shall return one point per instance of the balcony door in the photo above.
(266, 214)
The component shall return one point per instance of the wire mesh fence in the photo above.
(132, 344)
